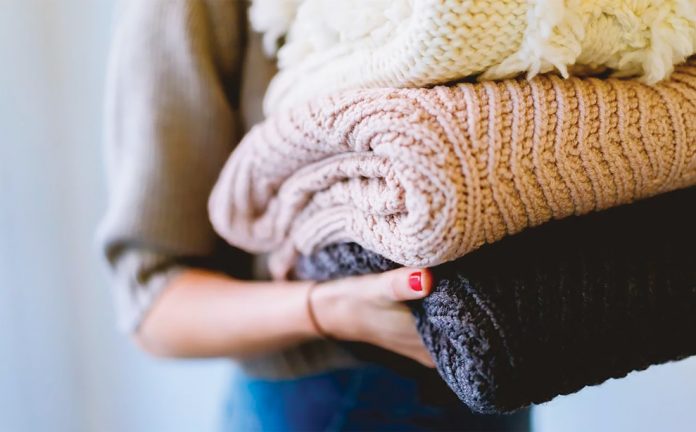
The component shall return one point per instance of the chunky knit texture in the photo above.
(558, 307)
(424, 176)
(332, 45)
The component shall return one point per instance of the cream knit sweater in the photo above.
(347, 44)
(424, 176)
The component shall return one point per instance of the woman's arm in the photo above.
(171, 120)
(205, 314)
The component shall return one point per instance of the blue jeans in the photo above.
(369, 398)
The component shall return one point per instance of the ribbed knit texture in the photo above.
(558, 307)
(424, 176)
(335, 45)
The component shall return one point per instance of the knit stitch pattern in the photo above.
(556, 308)
(424, 176)
(334, 45)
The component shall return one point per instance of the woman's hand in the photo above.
(370, 309)
(206, 314)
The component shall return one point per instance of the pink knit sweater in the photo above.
(424, 176)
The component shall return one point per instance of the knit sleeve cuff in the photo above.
(139, 278)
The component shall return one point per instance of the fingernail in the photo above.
(414, 281)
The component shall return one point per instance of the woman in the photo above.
(175, 110)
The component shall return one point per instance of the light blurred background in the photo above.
(63, 366)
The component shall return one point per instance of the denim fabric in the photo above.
(371, 398)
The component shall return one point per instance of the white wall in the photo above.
(662, 398)
(63, 367)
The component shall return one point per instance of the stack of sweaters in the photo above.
(555, 208)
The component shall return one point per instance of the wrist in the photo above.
(332, 311)
(317, 329)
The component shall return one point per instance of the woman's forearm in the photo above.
(206, 314)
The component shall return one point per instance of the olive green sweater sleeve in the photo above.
(172, 118)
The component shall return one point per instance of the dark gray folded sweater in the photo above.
(556, 308)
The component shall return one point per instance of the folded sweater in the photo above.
(556, 308)
(424, 176)
(331, 45)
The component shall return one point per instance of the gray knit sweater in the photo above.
(175, 109)
(558, 307)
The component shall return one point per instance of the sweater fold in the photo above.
(330, 46)
(425, 176)
(554, 309)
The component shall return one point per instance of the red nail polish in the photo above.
(414, 281)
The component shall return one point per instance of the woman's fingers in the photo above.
(406, 284)
(370, 309)
(414, 348)
(423, 357)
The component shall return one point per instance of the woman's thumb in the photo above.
(407, 284)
